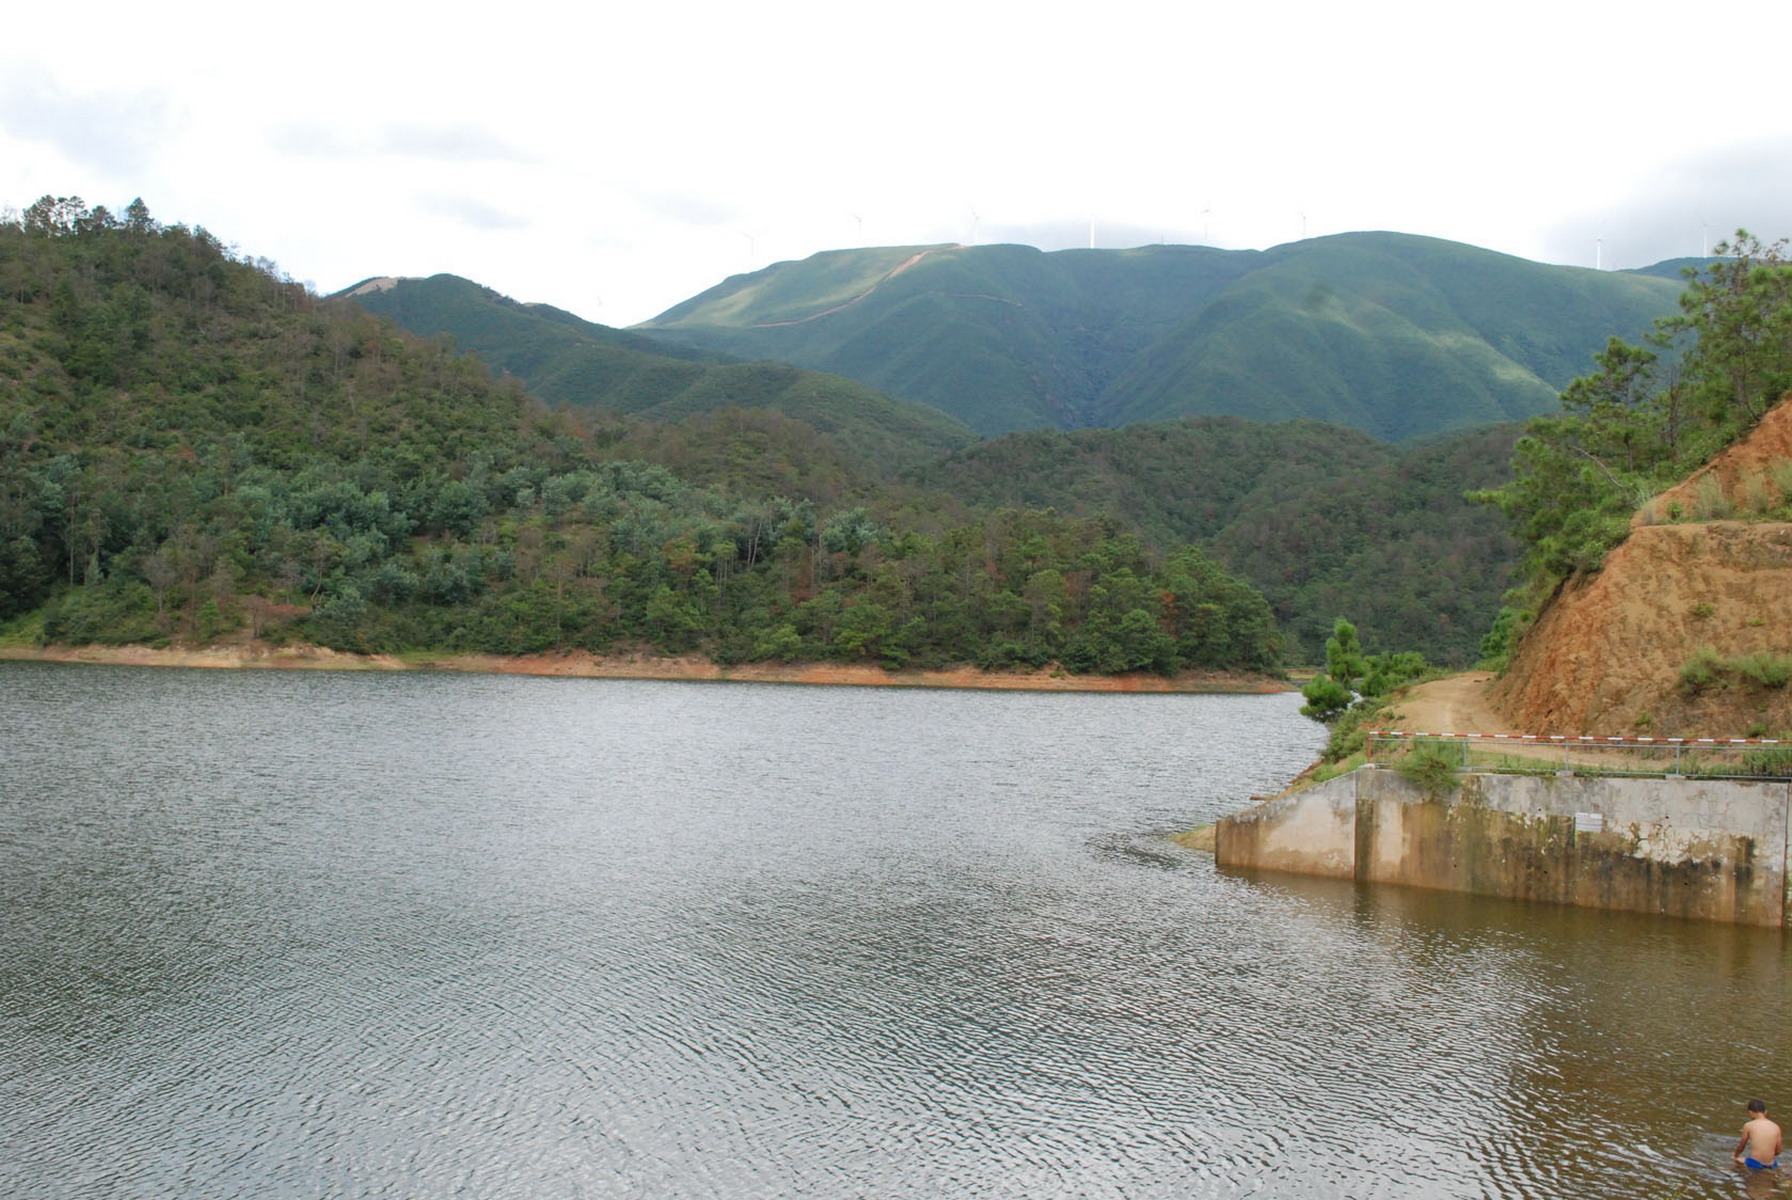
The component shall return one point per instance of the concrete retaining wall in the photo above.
(1710, 850)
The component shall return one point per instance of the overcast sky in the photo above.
(614, 160)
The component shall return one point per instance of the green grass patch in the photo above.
(1763, 668)
(26, 630)
(1781, 474)
(1331, 770)
(1707, 669)
(1772, 762)
(1702, 671)
(1431, 766)
(1513, 764)
(1712, 504)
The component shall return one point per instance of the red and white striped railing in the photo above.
(1564, 743)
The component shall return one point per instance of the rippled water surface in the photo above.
(320, 935)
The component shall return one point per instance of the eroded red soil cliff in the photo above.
(1607, 654)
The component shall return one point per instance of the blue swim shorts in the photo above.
(1752, 1165)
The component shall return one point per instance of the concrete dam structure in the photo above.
(1703, 849)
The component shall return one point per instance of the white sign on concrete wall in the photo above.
(1589, 822)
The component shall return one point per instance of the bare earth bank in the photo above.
(639, 666)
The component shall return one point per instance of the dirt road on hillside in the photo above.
(1457, 704)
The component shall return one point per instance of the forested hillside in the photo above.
(569, 361)
(1651, 413)
(1322, 520)
(194, 448)
(1654, 515)
(1394, 335)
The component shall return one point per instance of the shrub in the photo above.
(1502, 639)
(1350, 732)
(1781, 474)
(1701, 671)
(1388, 673)
(1430, 766)
(114, 613)
(1326, 698)
(1764, 669)
(1713, 505)
(1756, 496)
(782, 644)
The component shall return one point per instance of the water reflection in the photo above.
(428, 935)
(1631, 1037)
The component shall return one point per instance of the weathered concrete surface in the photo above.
(1713, 850)
(1309, 832)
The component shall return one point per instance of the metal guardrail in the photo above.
(1537, 753)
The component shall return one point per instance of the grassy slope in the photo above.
(778, 294)
(1392, 334)
(1674, 268)
(1341, 332)
(1005, 337)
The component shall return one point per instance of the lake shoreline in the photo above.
(640, 665)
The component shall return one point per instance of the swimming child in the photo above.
(1760, 1138)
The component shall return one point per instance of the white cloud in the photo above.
(112, 132)
(634, 156)
(471, 213)
(1686, 205)
(456, 143)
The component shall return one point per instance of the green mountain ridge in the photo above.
(1393, 334)
(1226, 483)
(588, 367)
(148, 367)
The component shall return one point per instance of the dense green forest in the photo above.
(1322, 520)
(1394, 335)
(192, 447)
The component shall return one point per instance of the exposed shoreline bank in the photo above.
(579, 664)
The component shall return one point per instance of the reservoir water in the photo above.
(408, 935)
